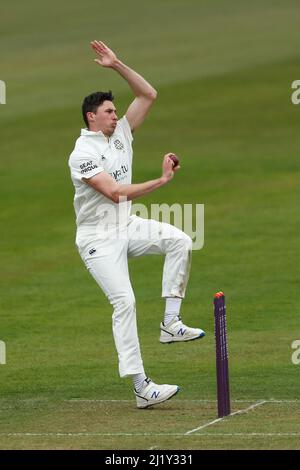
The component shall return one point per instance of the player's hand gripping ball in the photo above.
(175, 160)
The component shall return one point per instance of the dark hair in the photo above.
(93, 101)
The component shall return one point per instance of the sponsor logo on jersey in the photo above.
(87, 166)
(118, 174)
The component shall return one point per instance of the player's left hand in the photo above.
(107, 57)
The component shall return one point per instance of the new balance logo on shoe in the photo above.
(178, 331)
(152, 394)
(181, 332)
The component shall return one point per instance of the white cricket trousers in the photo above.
(107, 261)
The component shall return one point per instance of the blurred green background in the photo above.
(223, 71)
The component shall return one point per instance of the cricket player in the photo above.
(107, 233)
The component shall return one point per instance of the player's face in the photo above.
(105, 119)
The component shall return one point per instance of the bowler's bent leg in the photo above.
(152, 237)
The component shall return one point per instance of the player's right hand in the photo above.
(168, 168)
(106, 57)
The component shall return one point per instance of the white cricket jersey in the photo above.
(92, 154)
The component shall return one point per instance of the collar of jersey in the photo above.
(91, 133)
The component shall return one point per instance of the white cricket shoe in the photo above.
(177, 331)
(152, 394)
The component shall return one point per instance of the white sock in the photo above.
(173, 305)
(138, 380)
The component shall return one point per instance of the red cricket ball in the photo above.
(175, 160)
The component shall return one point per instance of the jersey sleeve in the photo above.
(84, 165)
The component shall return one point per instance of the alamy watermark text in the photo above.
(296, 354)
(2, 353)
(2, 92)
(295, 97)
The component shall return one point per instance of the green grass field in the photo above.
(223, 71)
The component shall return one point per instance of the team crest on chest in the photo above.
(118, 144)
